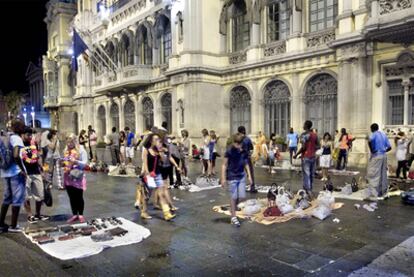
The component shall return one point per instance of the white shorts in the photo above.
(34, 188)
(325, 161)
(129, 152)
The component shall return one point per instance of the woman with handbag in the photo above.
(151, 171)
(74, 161)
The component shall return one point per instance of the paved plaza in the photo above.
(200, 242)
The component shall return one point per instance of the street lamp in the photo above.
(25, 116)
(33, 117)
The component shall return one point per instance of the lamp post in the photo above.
(25, 116)
(33, 117)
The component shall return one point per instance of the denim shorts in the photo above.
(237, 188)
(14, 190)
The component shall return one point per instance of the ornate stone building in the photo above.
(218, 64)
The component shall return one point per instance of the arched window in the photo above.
(144, 46)
(129, 114)
(163, 32)
(277, 108)
(111, 51)
(322, 14)
(278, 24)
(321, 102)
(127, 54)
(166, 109)
(148, 113)
(114, 114)
(240, 26)
(240, 108)
(102, 121)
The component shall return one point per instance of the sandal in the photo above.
(235, 221)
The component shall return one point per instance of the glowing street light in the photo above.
(33, 117)
(25, 116)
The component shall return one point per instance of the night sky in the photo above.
(23, 39)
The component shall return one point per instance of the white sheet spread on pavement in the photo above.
(84, 246)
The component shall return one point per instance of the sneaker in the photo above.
(235, 221)
(72, 219)
(16, 229)
(32, 219)
(42, 217)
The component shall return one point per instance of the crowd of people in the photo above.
(32, 160)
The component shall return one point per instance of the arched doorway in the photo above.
(129, 114)
(114, 114)
(166, 109)
(321, 99)
(148, 113)
(277, 108)
(240, 109)
(102, 120)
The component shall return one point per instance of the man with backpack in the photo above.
(14, 174)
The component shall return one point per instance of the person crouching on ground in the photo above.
(74, 161)
(151, 170)
(34, 182)
(235, 166)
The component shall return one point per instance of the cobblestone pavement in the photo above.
(200, 242)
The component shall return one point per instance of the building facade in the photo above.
(218, 64)
(35, 97)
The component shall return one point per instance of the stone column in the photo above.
(157, 111)
(108, 120)
(255, 107)
(297, 104)
(63, 85)
(121, 102)
(345, 82)
(255, 34)
(296, 21)
(406, 85)
(138, 117)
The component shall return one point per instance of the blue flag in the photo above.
(79, 47)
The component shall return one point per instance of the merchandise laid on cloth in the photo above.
(75, 241)
(97, 167)
(202, 183)
(266, 212)
(123, 171)
(356, 191)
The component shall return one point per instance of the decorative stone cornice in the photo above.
(352, 51)
(389, 6)
(236, 58)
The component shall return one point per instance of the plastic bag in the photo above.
(347, 190)
(321, 212)
(326, 198)
(286, 208)
(251, 207)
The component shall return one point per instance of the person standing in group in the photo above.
(345, 144)
(129, 145)
(83, 139)
(247, 146)
(272, 151)
(52, 158)
(151, 171)
(292, 140)
(258, 147)
(31, 156)
(122, 144)
(43, 144)
(206, 153)
(309, 145)
(213, 152)
(14, 174)
(233, 173)
(379, 145)
(114, 146)
(325, 159)
(162, 131)
(74, 161)
(402, 144)
(176, 154)
(92, 142)
(185, 145)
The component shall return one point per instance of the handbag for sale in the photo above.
(47, 198)
(76, 174)
(272, 211)
(354, 185)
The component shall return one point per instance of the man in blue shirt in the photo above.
(130, 144)
(247, 146)
(235, 166)
(379, 145)
(292, 141)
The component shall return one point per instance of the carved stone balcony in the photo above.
(391, 21)
(320, 38)
(126, 77)
(238, 57)
(274, 48)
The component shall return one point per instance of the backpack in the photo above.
(6, 153)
